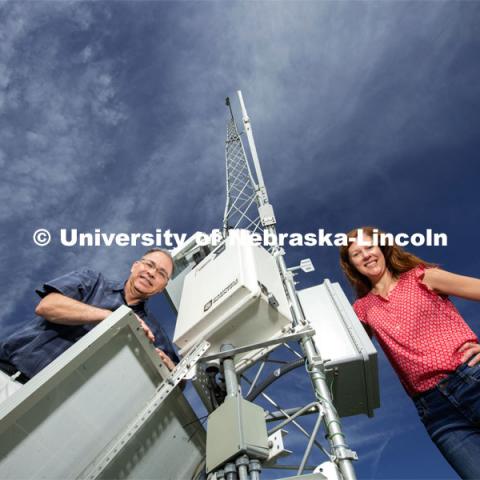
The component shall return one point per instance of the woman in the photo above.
(403, 301)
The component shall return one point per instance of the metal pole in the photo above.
(231, 381)
(341, 451)
(255, 468)
(243, 472)
(230, 471)
(242, 463)
(242, 467)
(310, 444)
(316, 370)
(253, 149)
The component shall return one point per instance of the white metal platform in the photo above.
(59, 423)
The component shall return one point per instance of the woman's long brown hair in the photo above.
(396, 258)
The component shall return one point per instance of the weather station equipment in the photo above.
(240, 297)
(109, 408)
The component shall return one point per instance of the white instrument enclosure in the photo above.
(343, 344)
(234, 296)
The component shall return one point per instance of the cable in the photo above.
(275, 375)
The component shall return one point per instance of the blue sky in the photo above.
(112, 116)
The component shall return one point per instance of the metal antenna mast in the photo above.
(241, 209)
(243, 197)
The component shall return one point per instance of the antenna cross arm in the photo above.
(309, 332)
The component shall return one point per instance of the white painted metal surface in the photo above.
(234, 296)
(56, 425)
(350, 356)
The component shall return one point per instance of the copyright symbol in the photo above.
(42, 237)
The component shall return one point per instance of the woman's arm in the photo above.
(446, 283)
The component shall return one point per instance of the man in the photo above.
(73, 304)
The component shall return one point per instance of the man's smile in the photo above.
(146, 280)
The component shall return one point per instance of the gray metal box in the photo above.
(342, 342)
(237, 426)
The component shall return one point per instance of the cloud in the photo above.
(112, 116)
(55, 130)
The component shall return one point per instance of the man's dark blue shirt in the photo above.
(32, 348)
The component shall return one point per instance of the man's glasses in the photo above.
(153, 268)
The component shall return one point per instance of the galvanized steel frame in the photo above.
(244, 195)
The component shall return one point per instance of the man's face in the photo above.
(151, 273)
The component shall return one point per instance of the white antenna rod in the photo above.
(253, 150)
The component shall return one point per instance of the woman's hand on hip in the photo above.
(471, 351)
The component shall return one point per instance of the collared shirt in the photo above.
(39, 342)
(419, 331)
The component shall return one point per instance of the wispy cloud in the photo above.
(112, 117)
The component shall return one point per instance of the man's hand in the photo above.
(470, 350)
(163, 356)
(165, 359)
(146, 329)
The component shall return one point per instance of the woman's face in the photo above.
(368, 259)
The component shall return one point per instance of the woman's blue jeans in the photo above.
(451, 415)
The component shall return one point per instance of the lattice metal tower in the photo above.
(248, 207)
(241, 208)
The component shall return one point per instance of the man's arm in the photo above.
(58, 308)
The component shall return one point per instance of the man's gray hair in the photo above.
(165, 252)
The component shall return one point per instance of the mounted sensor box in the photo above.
(349, 355)
(234, 296)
